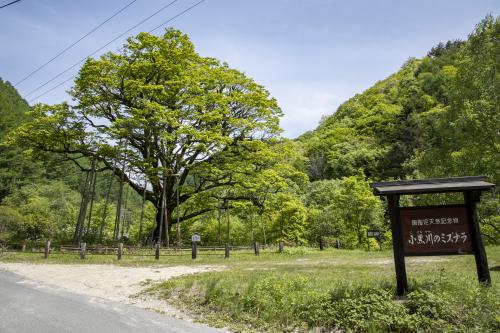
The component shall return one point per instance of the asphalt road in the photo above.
(29, 307)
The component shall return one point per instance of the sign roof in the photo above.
(433, 185)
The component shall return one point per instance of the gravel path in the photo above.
(109, 282)
(27, 306)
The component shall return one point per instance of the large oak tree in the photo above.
(158, 109)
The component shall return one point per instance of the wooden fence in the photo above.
(122, 250)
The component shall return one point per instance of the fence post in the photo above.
(83, 247)
(321, 244)
(256, 248)
(337, 244)
(194, 250)
(120, 251)
(24, 248)
(226, 251)
(280, 247)
(47, 249)
(157, 251)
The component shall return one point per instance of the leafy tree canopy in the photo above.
(158, 109)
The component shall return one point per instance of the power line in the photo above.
(176, 16)
(70, 46)
(10, 3)
(51, 89)
(72, 77)
(102, 47)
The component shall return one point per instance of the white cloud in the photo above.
(303, 105)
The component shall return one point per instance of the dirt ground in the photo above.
(114, 283)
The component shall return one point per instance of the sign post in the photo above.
(195, 238)
(435, 230)
(377, 234)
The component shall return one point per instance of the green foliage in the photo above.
(40, 211)
(444, 106)
(348, 291)
(13, 165)
(12, 108)
(173, 111)
(165, 109)
(465, 132)
(288, 220)
(331, 212)
(437, 117)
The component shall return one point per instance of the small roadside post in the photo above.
(280, 247)
(195, 238)
(83, 248)
(256, 248)
(157, 251)
(120, 251)
(47, 249)
(435, 230)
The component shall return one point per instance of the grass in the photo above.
(308, 290)
(349, 291)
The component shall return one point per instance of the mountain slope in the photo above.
(431, 118)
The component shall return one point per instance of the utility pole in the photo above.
(119, 201)
(142, 210)
(177, 209)
(218, 219)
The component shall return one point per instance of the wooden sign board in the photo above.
(435, 230)
(195, 238)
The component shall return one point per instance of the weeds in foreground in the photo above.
(346, 296)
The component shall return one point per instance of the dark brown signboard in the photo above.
(435, 230)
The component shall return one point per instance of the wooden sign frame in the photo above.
(471, 188)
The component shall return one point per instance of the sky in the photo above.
(311, 55)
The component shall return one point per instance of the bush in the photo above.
(287, 302)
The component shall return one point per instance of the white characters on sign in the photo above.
(442, 220)
(428, 238)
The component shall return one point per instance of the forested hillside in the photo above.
(12, 113)
(40, 196)
(444, 106)
(437, 117)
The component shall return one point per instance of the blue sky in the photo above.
(311, 55)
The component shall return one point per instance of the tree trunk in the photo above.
(141, 221)
(104, 214)
(168, 222)
(83, 210)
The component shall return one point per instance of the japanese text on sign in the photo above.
(427, 237)
(435, 230)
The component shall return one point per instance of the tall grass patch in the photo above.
(295, 295)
